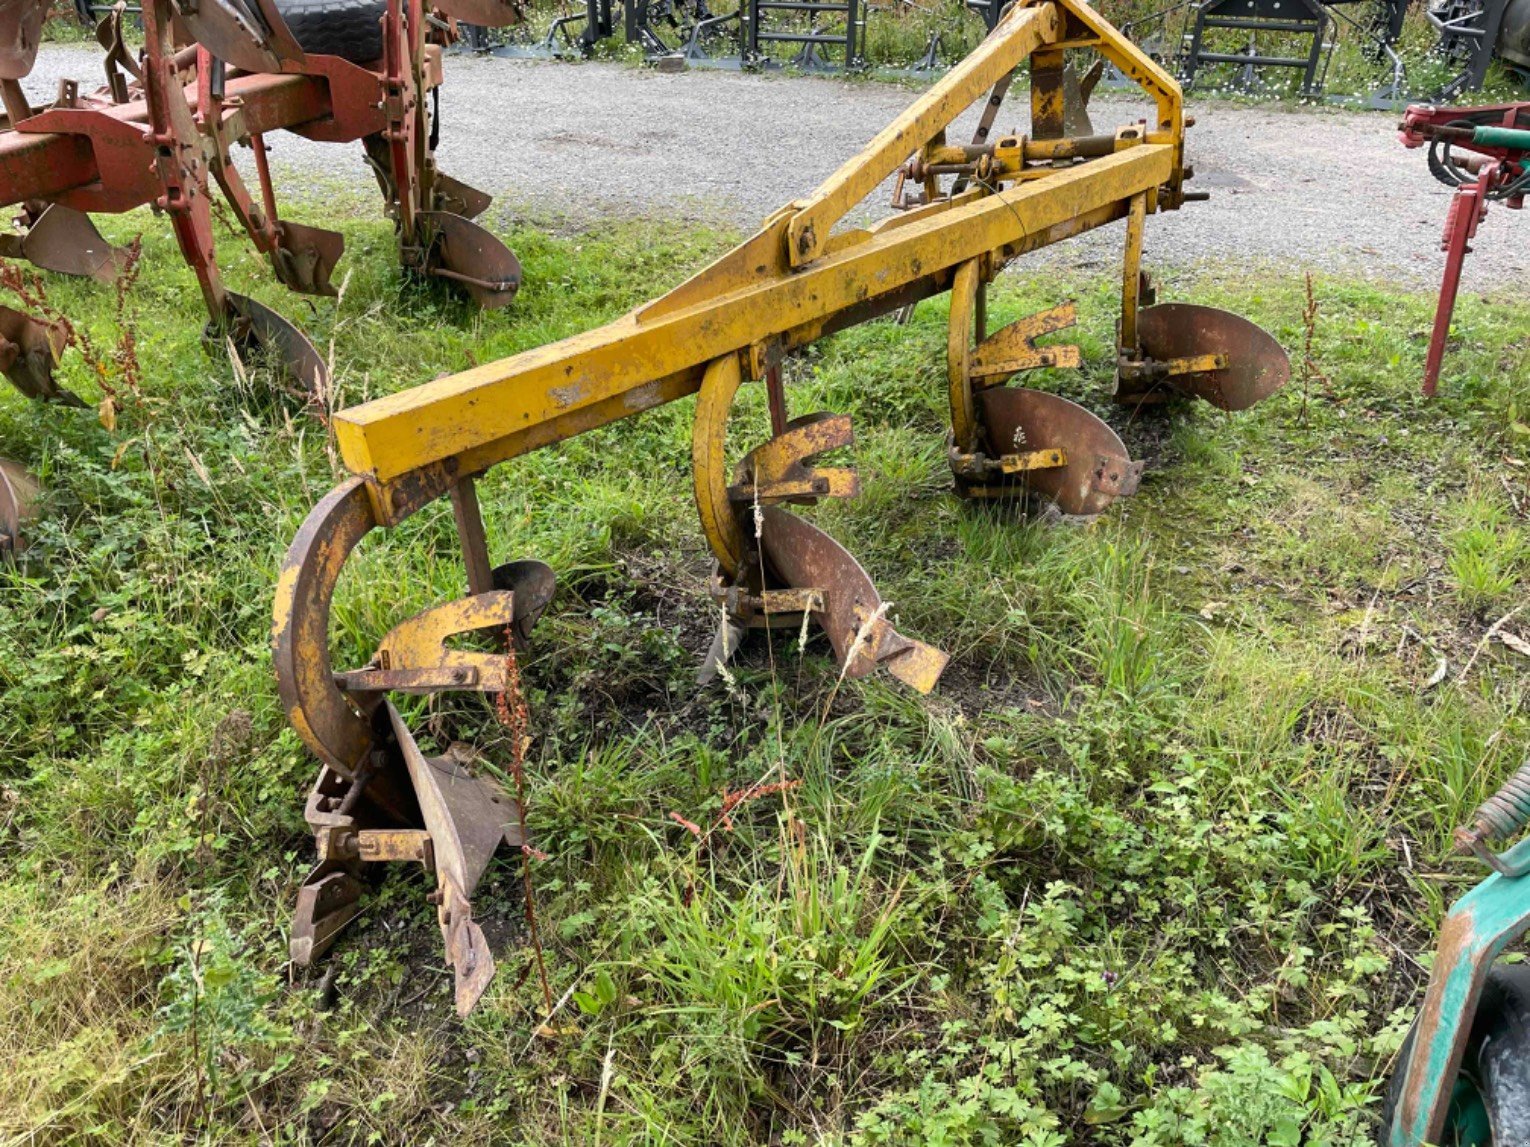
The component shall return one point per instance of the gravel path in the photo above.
(1313, 189)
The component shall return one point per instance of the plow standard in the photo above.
(163, 129)
(969, 210)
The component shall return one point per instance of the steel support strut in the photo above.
(178, 161)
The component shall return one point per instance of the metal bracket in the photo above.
(1013, 348)
(346, 843)
(1153, 371)
(778, 470)
(414, 658)
(979, 467)
(766, 606)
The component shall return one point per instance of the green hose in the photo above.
(1508, 137)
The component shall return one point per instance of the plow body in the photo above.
(969, 210)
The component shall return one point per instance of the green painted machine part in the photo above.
(1509, 137)
(1434, 1106)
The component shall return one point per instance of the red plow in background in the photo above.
(161, 131)
(1484, 153)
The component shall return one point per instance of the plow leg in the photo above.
(456, 825)
(773, 566)
(1184, 349)
(185, 198)
(1132, 280)
(437, 237)
(442, 241)
(379, 797)
(178, 157)
(302, 257)
(1467, 210)
(434, 213)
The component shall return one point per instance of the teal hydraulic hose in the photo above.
(1508, 137)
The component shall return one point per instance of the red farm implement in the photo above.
(1484, 153)
(162, 132)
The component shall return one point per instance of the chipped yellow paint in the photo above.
(709, 466)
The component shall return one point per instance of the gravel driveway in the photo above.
(1310, 189)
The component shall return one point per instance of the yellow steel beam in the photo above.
(493, 412)
(1020, 33)
(964, 292)
(1087, 28)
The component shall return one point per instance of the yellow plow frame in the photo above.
(970, 210)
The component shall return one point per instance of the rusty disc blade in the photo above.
(284, 343)
(805, 557)
(29, 348)
(1097, 470)
(21, 24)
(463, 253)
(66, 241)
(1256, 368)
(533, 584)
(247, 34)
(18, 499)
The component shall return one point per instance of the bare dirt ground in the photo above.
(581, 143)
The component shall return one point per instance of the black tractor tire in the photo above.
(1496, 1063)
(1514, 33)
(350, 29)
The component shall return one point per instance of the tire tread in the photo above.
(350, 29)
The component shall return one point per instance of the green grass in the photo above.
(1158, 863)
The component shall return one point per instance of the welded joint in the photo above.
(761, 357)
